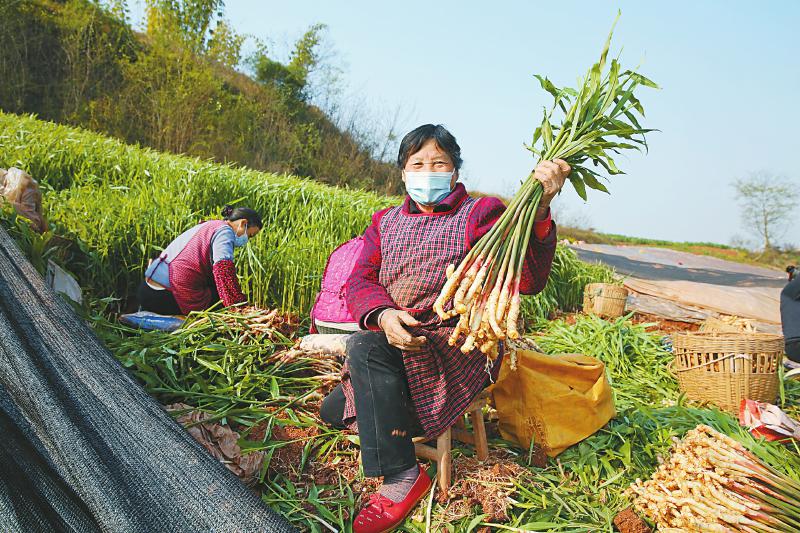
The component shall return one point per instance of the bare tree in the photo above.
(767, 202)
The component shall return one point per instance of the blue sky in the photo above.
(728, 71)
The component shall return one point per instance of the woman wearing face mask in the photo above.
(196, 270)
(401, 377)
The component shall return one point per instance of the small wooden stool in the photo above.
(441, 453)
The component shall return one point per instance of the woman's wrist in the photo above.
(542, 212)
(380, 317)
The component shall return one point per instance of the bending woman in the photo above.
(196, 270)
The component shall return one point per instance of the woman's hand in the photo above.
(393, 322)
(552, 175)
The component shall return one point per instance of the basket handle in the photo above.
(671, 368)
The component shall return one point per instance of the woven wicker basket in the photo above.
(723, 368)
(604, 299)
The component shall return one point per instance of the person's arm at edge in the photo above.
(792, 289)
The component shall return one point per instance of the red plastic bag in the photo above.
(768, 421)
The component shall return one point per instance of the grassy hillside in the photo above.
(180, 88)
(125, 203)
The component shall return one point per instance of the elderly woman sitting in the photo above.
(401, 377)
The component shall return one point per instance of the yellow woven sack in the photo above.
(558, 400)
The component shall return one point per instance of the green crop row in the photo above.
(124, 203)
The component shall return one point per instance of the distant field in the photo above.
(774, 259)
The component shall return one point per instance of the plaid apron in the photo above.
(415, 252)
(190, 272)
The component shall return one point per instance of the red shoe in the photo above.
(382, 514)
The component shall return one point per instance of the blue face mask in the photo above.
(241, 240)
(428, 188)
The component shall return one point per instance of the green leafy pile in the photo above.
(636, 359)
(266, 396)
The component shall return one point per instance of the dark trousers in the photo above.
(385, 415)
(793, 350)
(161, 302)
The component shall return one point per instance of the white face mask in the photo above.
(241, 240)
(428, 188)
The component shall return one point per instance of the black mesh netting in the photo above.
(84, 448)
